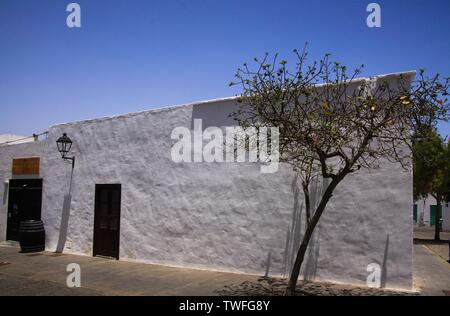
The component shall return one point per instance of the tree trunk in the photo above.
(437, 226)
(290, 289)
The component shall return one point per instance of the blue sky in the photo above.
(136, 55)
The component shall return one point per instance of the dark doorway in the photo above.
(24, 203)
(107, 220)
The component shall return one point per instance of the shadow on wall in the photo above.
(5, 193)
(269, 259)
(65, 214)
(295, 232)
(216, 115)
(384, 273)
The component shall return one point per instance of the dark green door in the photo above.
(415, 213)
(433, 214)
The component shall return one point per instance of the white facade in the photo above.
(8, 139)
(446, 217)
(424, 211)
(7, 154)
(218, 216)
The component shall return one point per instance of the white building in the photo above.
(9, 139)
(128, 199)
(425, 213)
(446, 217)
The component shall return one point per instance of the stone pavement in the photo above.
(431, 272)
(45, 274)
(431, 268)
(427, 233)
(440, 249)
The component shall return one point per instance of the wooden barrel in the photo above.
(32, 236)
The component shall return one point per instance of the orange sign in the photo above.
(25, 166)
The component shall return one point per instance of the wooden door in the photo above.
(107, 220)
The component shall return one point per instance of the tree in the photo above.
(336, 128)
(432, 171)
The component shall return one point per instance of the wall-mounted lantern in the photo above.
(64, 144)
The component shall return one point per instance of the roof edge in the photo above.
(411, 73)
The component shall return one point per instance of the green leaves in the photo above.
(431, 165)
(342, 116)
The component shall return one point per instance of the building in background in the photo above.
(8, 139)
(425, 213)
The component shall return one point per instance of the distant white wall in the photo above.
(8, 139)
(423, 209)
(446, 217)
(7, 154)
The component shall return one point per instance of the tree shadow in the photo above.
(295, 232)
(269, 260)
(310, 269)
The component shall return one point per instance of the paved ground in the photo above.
(425, 236)
(431, 268)
(440, 249)
(45, 274)
(431, 272)
(427, 233)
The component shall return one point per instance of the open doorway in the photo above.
(24, 203)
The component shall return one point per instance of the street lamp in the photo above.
(64, 144)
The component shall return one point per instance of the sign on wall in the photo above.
(25, 166)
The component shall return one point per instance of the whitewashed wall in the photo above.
(219, 216)
(223, 216)
(8, 139)
(423, 210)
(446, 217)
(7, 154)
